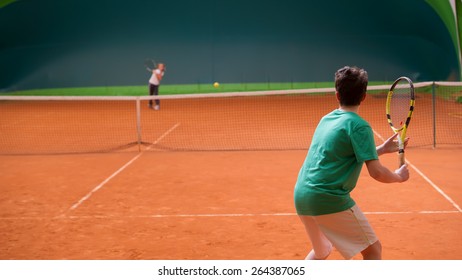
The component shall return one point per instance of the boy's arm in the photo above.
(390, 145)
(384, 175)
(159, 74)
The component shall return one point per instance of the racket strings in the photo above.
(149, 64)
(400, 105)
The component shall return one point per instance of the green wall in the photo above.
(71, 43)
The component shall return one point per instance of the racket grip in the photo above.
(401, 159)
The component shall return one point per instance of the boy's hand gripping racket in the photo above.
(400, 105)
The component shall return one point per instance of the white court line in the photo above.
(86, 197)
(98, 187)
(438, 189)
(231, 215)
(245, 215)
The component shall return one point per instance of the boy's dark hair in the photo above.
(351, 85)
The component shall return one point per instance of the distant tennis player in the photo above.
(342, 142)
(154, 83)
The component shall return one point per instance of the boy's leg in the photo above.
(321, 245)
(156, 92)
(350, 233)
(373, 252)
(151, 92)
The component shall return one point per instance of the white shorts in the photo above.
(348, 231)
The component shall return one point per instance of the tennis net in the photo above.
(266, 120)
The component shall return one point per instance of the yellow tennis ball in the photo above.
(216, 84)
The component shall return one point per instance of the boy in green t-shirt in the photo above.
(342, 142)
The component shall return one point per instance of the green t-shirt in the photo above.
(342, 142)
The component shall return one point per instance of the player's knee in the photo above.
(373, 252)
(320, 255)
(378, 248)
(324, 257)
(327, 252)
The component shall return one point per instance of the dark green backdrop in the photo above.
(70, 43)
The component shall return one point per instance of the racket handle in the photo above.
(401, 159)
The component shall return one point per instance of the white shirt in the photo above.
(153, 80)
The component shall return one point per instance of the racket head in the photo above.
(400, 104)
(150, 64)
(399, 109)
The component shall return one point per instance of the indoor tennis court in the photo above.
(209, 179)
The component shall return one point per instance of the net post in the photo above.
(138, 122)
(434, 113)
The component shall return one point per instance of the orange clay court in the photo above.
(233, 205)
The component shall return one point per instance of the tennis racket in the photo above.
(150, 65)
(400, 105)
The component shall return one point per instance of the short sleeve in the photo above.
(363, 144)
